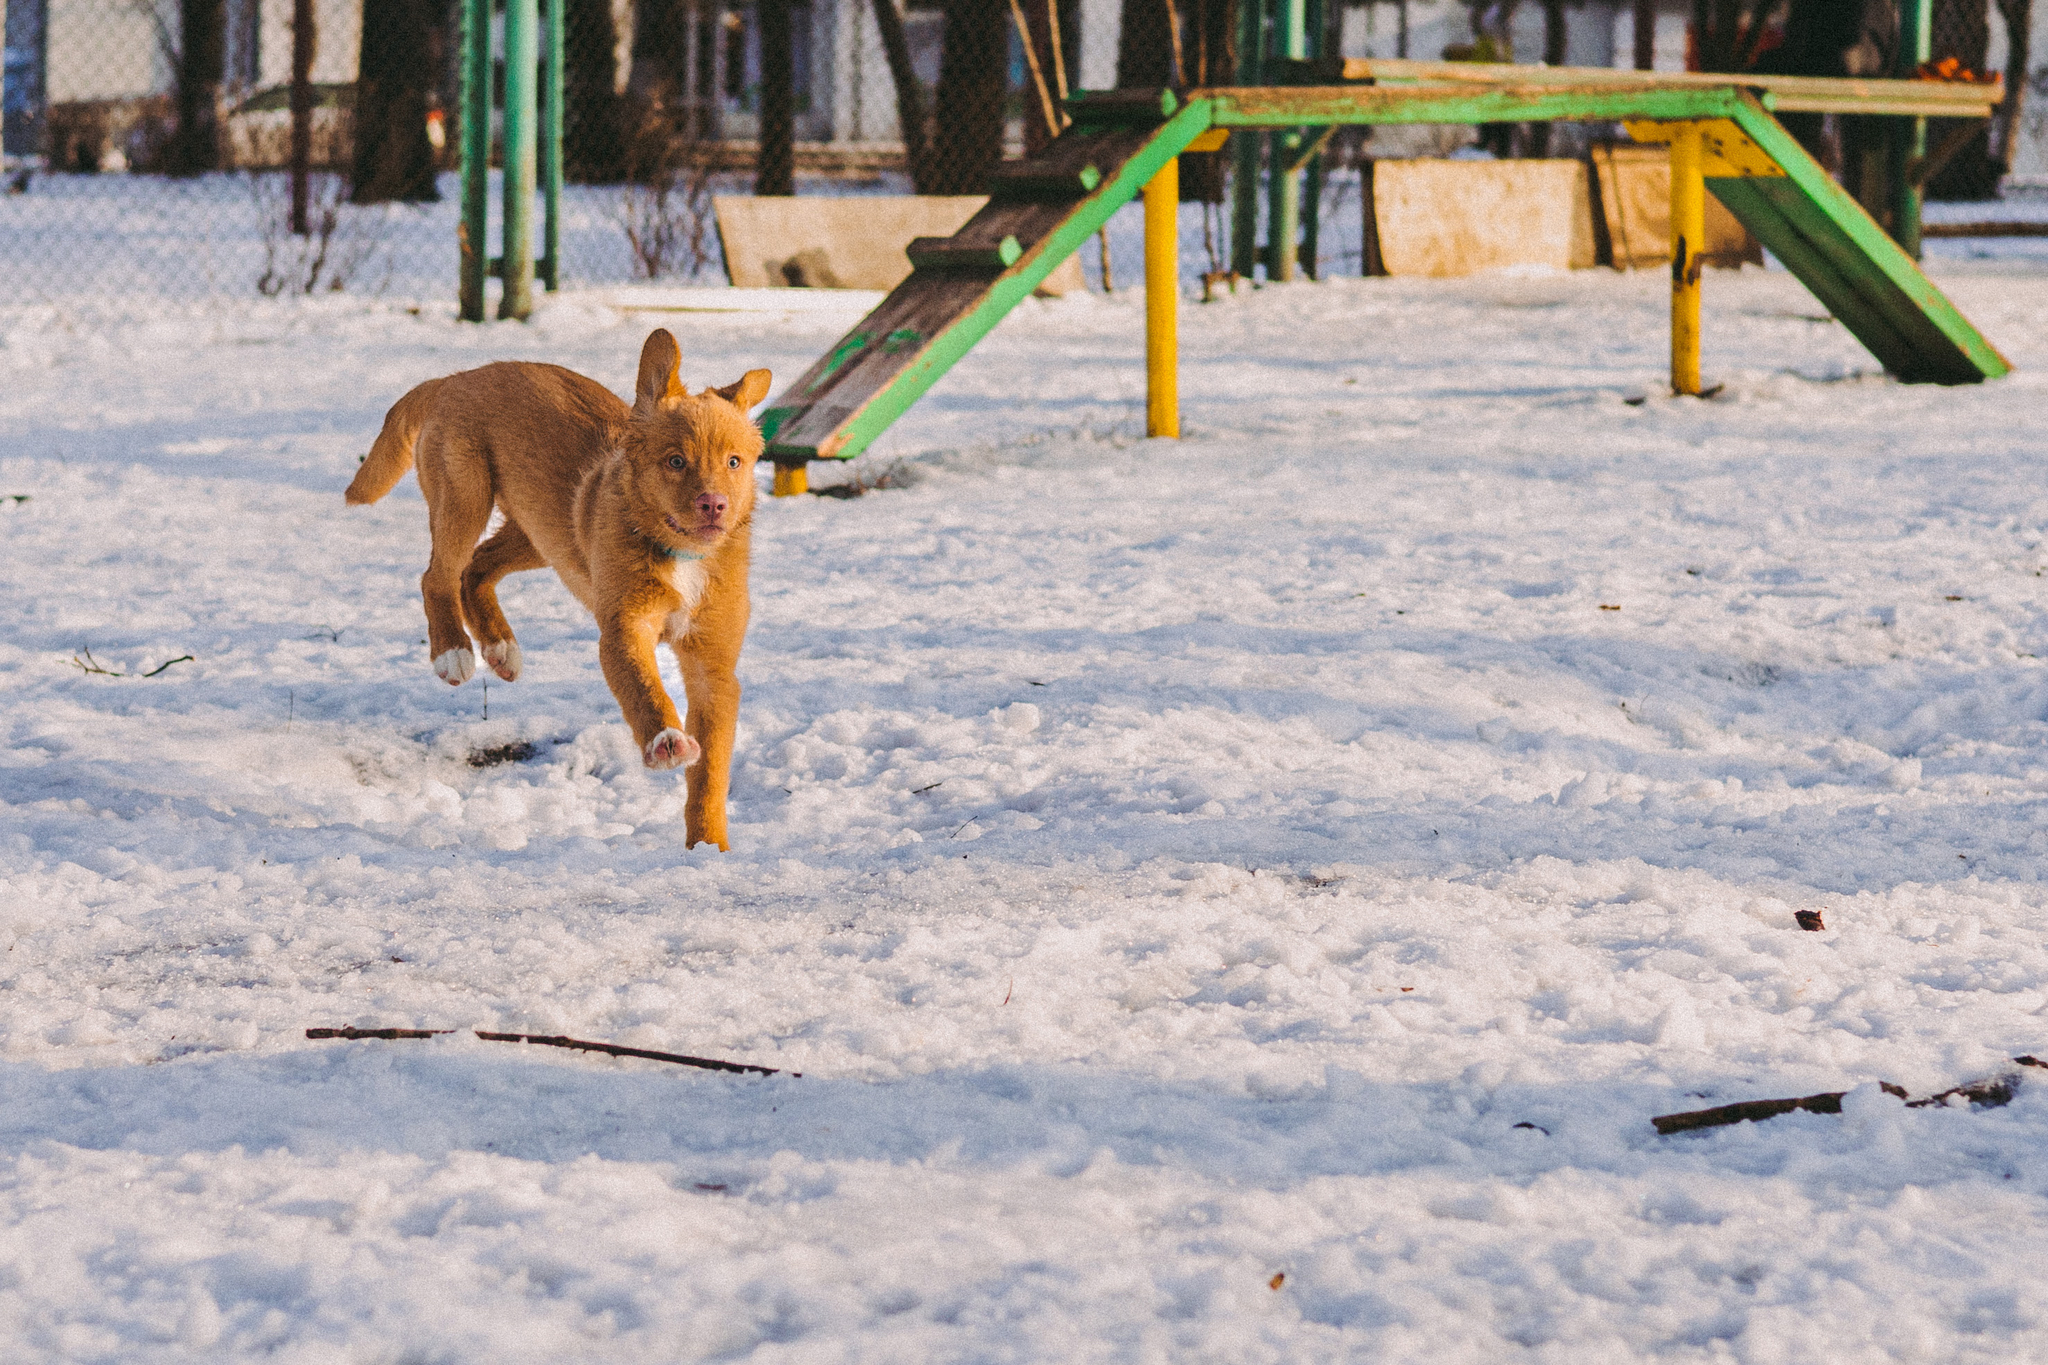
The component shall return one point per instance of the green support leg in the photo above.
(474, 265)
(1290, 40)
(551, 151)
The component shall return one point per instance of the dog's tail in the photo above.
(391, 455)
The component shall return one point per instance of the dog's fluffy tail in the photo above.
(391, 455)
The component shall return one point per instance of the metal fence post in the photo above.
(1317, 26)
(1290, 31)
(476, 157)
(1688, 231)
(522, 99)
(1162, 301)
(551, 151)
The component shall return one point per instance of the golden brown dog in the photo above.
(646, 514)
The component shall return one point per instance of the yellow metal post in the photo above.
(1688, 236)
(1162, 300)
(792, 479)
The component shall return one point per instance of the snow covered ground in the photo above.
(1231, 900)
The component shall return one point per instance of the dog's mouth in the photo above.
(703, 530)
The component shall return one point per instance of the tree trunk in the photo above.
(1144, 47)
(394, 78)
(202, 66)
(592, 151)
(1208, 48)
(775, 172)
(2018, 15)
(304, 48)
(973, 78)
(1039, 17)
(910, 116)
(1555, 35)
(661, 48)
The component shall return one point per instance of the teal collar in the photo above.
(664, 552)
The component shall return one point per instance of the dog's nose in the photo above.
(711, 506)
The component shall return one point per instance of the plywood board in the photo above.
(1635, 198)
(1453, 217)
(843, 242)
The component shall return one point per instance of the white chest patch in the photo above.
(688, 578)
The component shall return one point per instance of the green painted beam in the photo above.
(1873, 286)
(931, 320)
(790, 439)
(1292, 106)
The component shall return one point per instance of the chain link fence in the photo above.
(147, 141)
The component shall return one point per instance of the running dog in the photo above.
(645, 513)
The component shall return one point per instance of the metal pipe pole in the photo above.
(522, 118)
(1688, 234)
(1162, 301)
(551, 149)
(470, 233)
(1314, 40)
(1290, 39)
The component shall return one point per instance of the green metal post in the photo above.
(1312, 177)
(1244, 148)
(1290, 30)
(522, 98)
(551, 151)
(1909, 145)
(476, 158)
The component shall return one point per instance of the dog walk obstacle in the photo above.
(1723, 136)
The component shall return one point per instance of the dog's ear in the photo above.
(749, 389)
(659, 360)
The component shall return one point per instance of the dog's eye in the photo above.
(732, 462)
(675, 462)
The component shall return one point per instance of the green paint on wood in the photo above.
(1283, 107)
(1807, 220)
(852, 433)
(1839, 252)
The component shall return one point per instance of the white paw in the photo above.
(504, 659)
(456, 667)
(672, 749)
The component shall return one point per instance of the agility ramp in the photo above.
(1725, 140)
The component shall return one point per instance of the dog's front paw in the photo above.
(456, 667)
(504, 659)
(672, 749)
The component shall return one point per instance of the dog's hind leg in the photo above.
(457, 484)
(507, 551)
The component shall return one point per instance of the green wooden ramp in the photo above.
(1838, 251)
(1042, 210)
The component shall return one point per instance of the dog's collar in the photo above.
(662, 551)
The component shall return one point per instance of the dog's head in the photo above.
(690, 457)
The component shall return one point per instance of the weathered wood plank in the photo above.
(1791, 94)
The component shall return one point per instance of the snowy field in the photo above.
(1236, 900)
